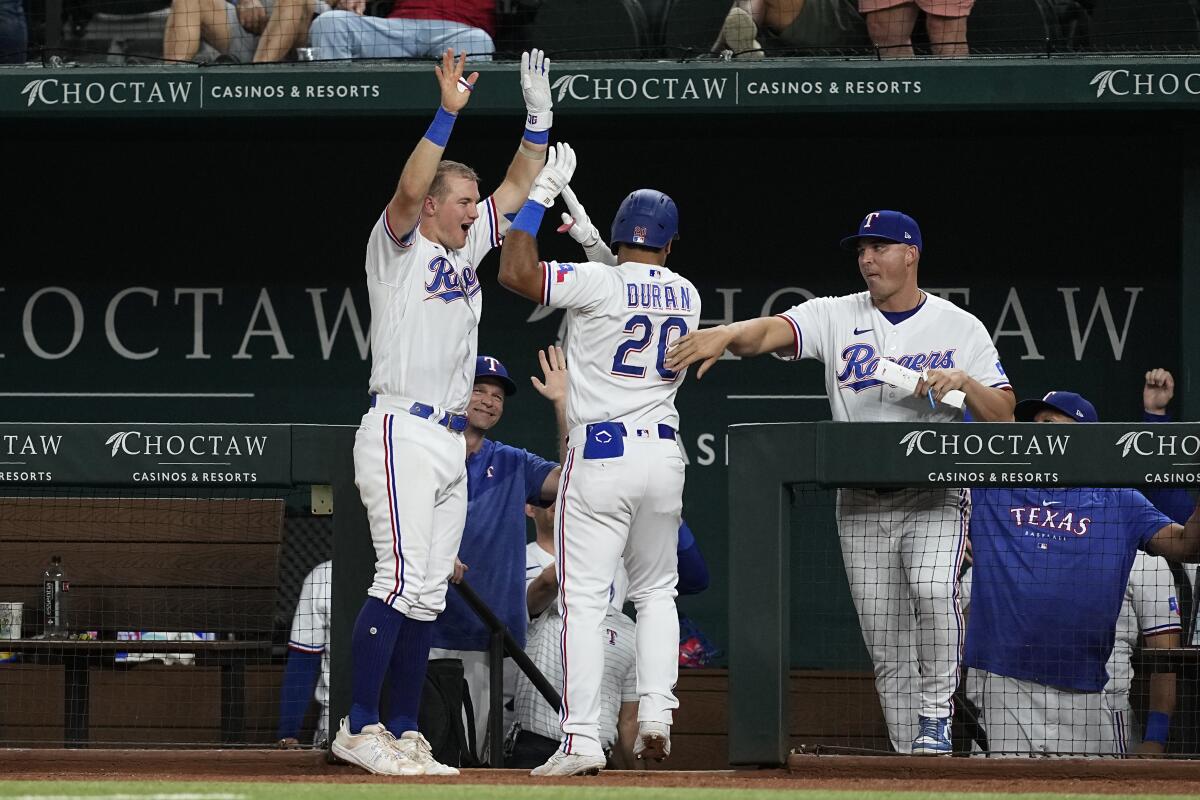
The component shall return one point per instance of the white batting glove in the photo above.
(577, 223)
(554, 177)
(535, 86)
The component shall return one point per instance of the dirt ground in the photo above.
(1065, 776)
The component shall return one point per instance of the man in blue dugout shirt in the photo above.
(501, 479)
(1050, 569)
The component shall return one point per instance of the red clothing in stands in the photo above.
(476, 13)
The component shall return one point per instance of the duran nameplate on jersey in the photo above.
(106, 454)
(904, 378)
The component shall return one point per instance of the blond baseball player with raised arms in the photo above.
(409, 453)
(621, 490)
(902, 549)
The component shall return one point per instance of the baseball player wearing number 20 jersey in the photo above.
(409, 452)
(621, 490)
(902, 549)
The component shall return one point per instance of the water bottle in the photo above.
(54, 599)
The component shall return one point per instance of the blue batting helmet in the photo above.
(647, 217)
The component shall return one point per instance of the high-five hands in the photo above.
(456, 90)
(554, 177)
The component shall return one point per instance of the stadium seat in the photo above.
(692, 25)
(112, 31)
(591, 29)
(824, 27)
(1145, 25)
(1011, 26)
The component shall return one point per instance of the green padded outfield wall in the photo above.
(145, 260)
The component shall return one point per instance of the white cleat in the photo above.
(566, 764)
(416, 748)
(653, 741)
(374, 750)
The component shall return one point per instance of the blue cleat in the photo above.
(934, 737)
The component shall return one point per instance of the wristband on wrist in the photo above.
(1158, 725)
(537, 137)
(439, 129)
(538, 121)
(533, 154)
(529, 218)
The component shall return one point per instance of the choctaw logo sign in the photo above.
(53, 92)
(1123, 82)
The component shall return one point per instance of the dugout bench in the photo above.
(146, 564)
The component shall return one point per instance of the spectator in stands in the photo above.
(1051, 566)
(890, 24)
(308, 659)
(740, 31)
(250, 30)
(413, 29)
(13, 32)
(501, 480)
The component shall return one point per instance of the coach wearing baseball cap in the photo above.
(501, 479)
(1075, 562)
(1056, 407)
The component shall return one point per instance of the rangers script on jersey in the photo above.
(850, 335)
(426, 303)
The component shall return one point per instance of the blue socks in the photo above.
(375, 633)
(388, 645)
(406, 679)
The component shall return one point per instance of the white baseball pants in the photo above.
(628, 505)
(1023, 718)
(902, 552)
(412, 476)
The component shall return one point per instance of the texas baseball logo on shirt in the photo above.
(445, 284)
(1046, 516)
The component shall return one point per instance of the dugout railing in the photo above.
(770, 463)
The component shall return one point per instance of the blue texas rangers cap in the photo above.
(1073, 405)
(488, 367)
(894, 226)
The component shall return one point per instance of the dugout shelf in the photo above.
(77, 656)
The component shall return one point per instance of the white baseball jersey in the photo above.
(310, 631)
(622, 321)
(1150, 607)
(619, 684)
(887, 581)
(426, 303)
(849, 335)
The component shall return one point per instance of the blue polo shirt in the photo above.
(1049, 576)
(500, 481)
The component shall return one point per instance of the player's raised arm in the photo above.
(579, 225)
(531, 152)
(520, 270)
(404, 209)
(750, 337)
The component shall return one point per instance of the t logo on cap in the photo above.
(491, 363)
(891, 226)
